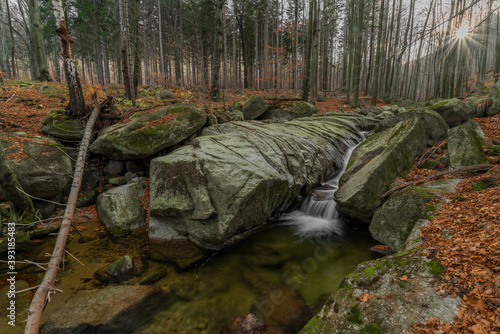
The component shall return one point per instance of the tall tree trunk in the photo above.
(378, 57)
(306, 82)
(125, 49)
(214, 91)
(38, 44)
(357, 53)
(497, 54)
(13, 68)
(76, 106)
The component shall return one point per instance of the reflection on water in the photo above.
(241, 279)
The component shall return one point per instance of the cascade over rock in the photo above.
(41, 165)
(147, 134)
(211, 193)
(375, 164)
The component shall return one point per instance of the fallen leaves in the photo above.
(365, 297)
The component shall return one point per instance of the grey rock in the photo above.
(465, 145)
(397, 302)
(114, 168)
(139, 139)
(494, 108)
(91, 179)
(254, 106)
(375, 164)
(121, 210)
(41, 164)
(396, 218)
(298, 109)
(454, 111)
(165, 94)
(58, 125)
(213, 192)
(113, 309)
(87, 199)
(436, 126)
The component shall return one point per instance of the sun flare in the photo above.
(462, 31)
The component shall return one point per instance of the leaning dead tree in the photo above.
(76, 105)
(47, 287)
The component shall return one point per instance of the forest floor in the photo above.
(471, 257)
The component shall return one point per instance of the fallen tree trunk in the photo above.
(47, 287)
(471, 169)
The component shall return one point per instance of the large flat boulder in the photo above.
(437, 128)
(120, 208)
(113, 309)
(215, 191)
(387, 296)
(393, 222)
(298, 109)
(375, 164)
(41, 165)
(454, 111)
(465, 145)
(148, 134)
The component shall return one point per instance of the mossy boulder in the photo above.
(166, 95)
(120, 209)
(254, 106)
(436, 126)
(41, 165)
(228, 116)
(387, 296)
(494, 108)
(58, 125)
(396, 218)
(465, 145)
(148, 134)
(375, 164)
(298, 109)
(220, 188)
(454, 111)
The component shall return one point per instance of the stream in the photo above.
(302, 258)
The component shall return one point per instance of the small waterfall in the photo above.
(318, 215)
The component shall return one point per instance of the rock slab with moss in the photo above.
(454, 111)
(254, 106)
(58, 125)
(465, 145)
(396, 218)
(215, 191)
(436, 126)
(494, 107)
(386, 296)
(298, 109)
(120, 209)
(148, 134)
(41, 165)
(375, 164)
(113, 309)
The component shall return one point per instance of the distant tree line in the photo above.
(388, 49)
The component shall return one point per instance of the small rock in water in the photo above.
(248, 324)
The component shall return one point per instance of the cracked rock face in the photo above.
(220, 188)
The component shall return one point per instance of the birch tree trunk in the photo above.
(76, 105)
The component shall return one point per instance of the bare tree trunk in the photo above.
(160, 42)
(125, 50)
(47, 286)
(357, 53)
(12, 41)
(378, 57)
(497, 55)
(76, 105)
(307, 79)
